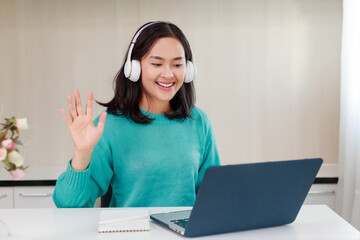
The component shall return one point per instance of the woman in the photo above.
(156, 145)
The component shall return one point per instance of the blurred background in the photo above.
(268, 71)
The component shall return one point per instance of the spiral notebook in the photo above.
(121, 220)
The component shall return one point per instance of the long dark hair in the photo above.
(128, 94)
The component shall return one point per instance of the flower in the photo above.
(9, 151)
(15, 158)
(8, 144)
(3, 153)
(17, 174)
(21, 123)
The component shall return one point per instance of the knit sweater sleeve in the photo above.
(82, 188)
(210, 155)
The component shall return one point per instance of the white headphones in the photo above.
(132, 68)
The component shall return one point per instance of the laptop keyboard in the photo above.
(181, 222)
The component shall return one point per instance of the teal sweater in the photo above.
(157, 164)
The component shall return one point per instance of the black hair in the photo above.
(128, 94)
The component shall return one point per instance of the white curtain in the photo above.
(348, 195)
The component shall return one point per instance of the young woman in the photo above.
(156, 145)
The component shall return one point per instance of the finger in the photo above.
(66, 117)
(101, 123)
(71, 107)
(89, 104)
(78, 103)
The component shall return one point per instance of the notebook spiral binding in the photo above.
(130, 230)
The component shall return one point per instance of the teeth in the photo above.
(165, 85)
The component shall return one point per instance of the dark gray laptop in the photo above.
(245, 196)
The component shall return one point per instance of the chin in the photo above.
(165, 98)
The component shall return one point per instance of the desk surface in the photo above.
(313, 222)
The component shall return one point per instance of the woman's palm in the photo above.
(84, 133)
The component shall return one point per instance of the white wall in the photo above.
(268, 70)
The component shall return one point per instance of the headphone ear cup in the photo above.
(127, 69)
(135, 71)
(190, 72)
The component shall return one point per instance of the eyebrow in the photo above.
(160, 58)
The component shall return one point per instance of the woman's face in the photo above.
(162, 73)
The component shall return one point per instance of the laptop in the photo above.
(245, 196)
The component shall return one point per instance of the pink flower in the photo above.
(8, 144)
(17, 174)
(3, 153)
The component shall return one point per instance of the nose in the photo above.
(167, 72)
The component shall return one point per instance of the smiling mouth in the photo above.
(166, 85)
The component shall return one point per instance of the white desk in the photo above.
(313, 222)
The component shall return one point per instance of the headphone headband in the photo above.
(141, 29)
(133, 41)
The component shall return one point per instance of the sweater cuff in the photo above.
(76, 179)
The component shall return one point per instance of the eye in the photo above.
(178, 65)
(156, 64)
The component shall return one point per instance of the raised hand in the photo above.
(85, 135)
